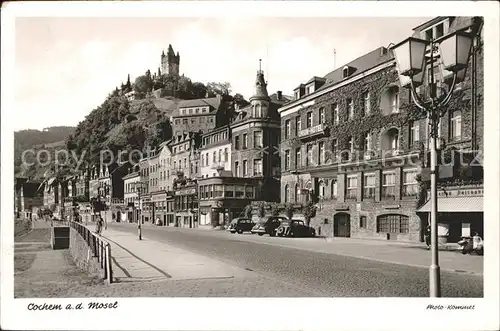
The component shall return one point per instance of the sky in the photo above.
(65, 67)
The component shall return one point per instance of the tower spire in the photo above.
(260, 65)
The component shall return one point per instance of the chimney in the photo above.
(280, 95)
(383, 51)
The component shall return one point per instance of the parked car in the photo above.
(240, 225)
(268, 225)
(295, 228)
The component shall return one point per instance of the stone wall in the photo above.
(83, 255)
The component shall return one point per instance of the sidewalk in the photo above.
(148, 260)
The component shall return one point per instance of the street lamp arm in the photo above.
(447, 99)
(415, 97)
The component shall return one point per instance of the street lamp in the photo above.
(138, 186)
(454, 51)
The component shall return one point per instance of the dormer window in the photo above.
(297, 95)
(310, 89)
(345, 72)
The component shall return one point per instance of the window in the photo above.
(287, 129)
(428, 34)
(257, 139)
(395, 102)
(345, 72)
(202, 159)
(321, 115)
(351, 145)
(334, 189)
(237, 142)
(352, 186)
(414, 132)
(219, 159)
(309, 119)
(249, 192)
(197, 110)
(297, 95)
(214, 157)
(388, 185)
(321, 153)
(206, 159)
(245, 141)
(287, 160)
(286, 197)
(177, 121)
(410, 185)
(298, 161)
(229, 191)
(226, 155)
(335, 113)
(367, 142)
(202, 119)
(335, 148)
(362, 222)
(175, 165)
(369, 186)
(456, 125)
(245, 168)
(184, 121)
(393, 223)
(239, 191)
(258, 111)
(439, 32)
(190, 111)
(193, 120)
(218, 189)
(308, 155)
(310, 89)
(350, 109)
(366, 103)
(257, 167)
(298, 125)
(237, 168)
(297, 193)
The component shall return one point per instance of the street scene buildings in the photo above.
(346, 157)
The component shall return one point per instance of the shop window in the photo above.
(393, 223)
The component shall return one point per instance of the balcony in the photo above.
(316, 131)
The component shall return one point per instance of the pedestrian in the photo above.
(99, 223)
(428, 236)
(477, 241)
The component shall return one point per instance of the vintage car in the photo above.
(240, 225)
(268, 225)
(294, 228)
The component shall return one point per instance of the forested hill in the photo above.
(122, 125)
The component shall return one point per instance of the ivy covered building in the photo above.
(354, 143)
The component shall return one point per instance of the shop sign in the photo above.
(186, 191)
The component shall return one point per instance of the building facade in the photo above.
(131, 195)
(200, 115)
(354, 144)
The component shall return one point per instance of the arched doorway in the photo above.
(342, 225)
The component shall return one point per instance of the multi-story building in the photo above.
(240, 163)
(166, 178)
(185, 168)
(31, 195)
(200, 115)
(82, 186)
(131, 196)
(352, 143)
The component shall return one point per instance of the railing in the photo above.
(100, 248)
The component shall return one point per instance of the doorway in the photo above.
(342, 225)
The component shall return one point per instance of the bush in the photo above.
(276, 209)
(261, 210)
(247, 212)
(289, 210)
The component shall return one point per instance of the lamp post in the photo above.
(453, 51)
(138, 186)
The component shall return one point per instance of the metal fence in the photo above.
(99, 247)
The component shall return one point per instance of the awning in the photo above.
(455, 205)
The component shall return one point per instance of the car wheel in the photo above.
(261, 234)
(240, 231)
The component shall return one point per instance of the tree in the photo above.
(143, 84)
(247, 211)
(289, 210)
(199, 90)
(276, 209)
(309, 212)
(261, 210)
(239, 100)
(214, 88)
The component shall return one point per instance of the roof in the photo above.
(359, 65)
(212, 102)
(284, 98)
(429, 23)
(466, 204)
(316, 78)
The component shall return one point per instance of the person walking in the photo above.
(99, 224)
(428, 236)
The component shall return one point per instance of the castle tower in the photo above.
(260, 100)
(170, 62)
